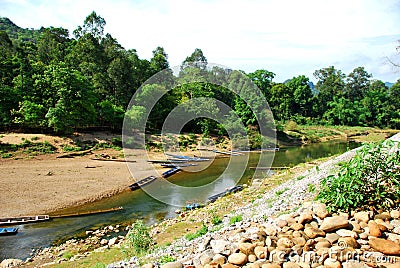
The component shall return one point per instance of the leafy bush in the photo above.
(370, 180)
(71, 148)
(138, 239)
(235, 219)
(216, 220)
(291, 126)
(202, 231)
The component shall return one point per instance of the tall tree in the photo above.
(357, 83)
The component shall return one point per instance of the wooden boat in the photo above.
(88, 213)
(230, 190)
(24, 219)
(8, 231)
(142, 183)
(187, 158)
(170, 172)
(166, 161)
(178, 165)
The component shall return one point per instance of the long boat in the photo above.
(230, 190)
(188, 158)
(24, 219)
(141, 183)
(8, 231)
(170, 172)
(177, 165)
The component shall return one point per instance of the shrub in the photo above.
(291, 126)
(139, 239)
(370, 180)
(216, 220)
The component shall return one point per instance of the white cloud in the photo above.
(287, 37)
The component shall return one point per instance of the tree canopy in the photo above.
(50, 81)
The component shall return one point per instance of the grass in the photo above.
(202, 231)
(279, 192)
(235, 219)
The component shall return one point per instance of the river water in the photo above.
(140, 205)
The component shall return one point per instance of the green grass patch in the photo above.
(235, 219)
(202, 231)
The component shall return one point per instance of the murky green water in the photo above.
(138, 204)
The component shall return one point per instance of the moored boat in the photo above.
(24, 219)
(141, 183)
(170, 172)
(8, 231)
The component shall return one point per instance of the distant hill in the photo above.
(388, 84)
(16, 33)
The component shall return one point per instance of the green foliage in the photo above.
(235, 219)
(279, 192)
(138, 239)
(68, 255)
(202, 231)
(370, 180)
(166, 258)
(216, 219)
(99, 265)
(71, 148)
(311, 187)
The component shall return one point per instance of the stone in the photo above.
(218, 258)
(206, 257)
(281, 223)
(384, 226)
(261, 252)
(10, 263)
(346, 233)
(300, 241)
(332, 263)
(148, 265)
(229, 265)
(252, 258)
(395, 214)
(285, 242)
(237, 258)
(322, 244)
(270, 230)
(246, 248)
(362, 216)
(332, 237)
(212, 265)
(334, 223)
(297, 226)
(112, 241)
(385, 246)
(394, 237)
(270, 265)
(353, 264)
(305, 217)
(290, 265)
(312, 232)
(103, 242)
(175, 264)
(348, 242)
(219, 246)
(374, 229)
(277, 256)
(320, 210)
(383, 216)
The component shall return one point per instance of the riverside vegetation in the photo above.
(272, 230)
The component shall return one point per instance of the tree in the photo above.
(281, 101)
(93, 25)
(263, 79)
(377, 105)
(357, 83)
(52, 44)
(302, 95)
(330, 83)
(159, 61)
(196, 59)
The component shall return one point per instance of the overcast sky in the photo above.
(289, 38)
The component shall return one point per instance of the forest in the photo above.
(53, 82)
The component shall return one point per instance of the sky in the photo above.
(287, 37)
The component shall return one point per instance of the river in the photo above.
(139, 205)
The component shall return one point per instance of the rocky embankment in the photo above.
(280, 228)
